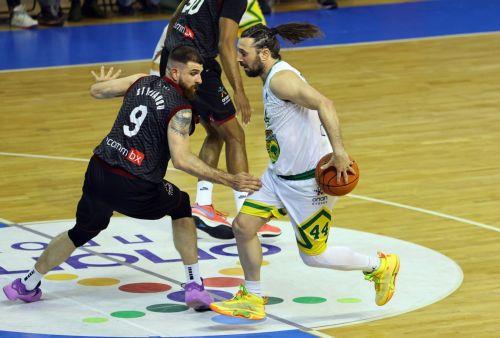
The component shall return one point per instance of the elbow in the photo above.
(178, 163)
(327, 103)
(95, 93)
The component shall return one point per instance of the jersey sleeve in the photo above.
(233, 9)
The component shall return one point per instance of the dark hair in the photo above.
(294, 32)
(184, 54)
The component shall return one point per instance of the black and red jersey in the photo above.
(138, 141)
(198, 24)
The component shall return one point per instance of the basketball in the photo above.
(327, 179)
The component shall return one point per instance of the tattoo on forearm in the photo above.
(181, 122)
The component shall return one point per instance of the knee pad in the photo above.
(183, 209)
(79, 235)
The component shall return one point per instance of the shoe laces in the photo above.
(220, 213)
(242, 292)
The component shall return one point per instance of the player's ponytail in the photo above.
(294, 32)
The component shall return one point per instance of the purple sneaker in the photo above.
(17, 290)
(197, 297)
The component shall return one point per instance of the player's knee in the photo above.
(214, 138)
(184, 208)
(242, 230)
(312, 261)
(80, 235)
(233, 133)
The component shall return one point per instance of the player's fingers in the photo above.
(346, 177)
(102, 71)
(327, 165)
(110, 72)
(116, 74)
(94, 74)
(351, 170)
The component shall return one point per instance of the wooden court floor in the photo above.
(422, 118)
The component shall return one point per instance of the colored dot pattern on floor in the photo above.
(232, 272)
(145, 287)
(98, 281)
(274, 300)
(309, 300)
(223, 282)
(61, 276)
(94, 320)
(348, 300)
(167, 308)
(128, 314)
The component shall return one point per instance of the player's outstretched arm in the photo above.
(290, 87)
(108, 85)
(183, 159)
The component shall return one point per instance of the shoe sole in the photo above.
(238, 313)
(7, 294)
(392, 286)
(198, 306)
(220, 231)
(268, 234)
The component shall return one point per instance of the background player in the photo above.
(211, 26)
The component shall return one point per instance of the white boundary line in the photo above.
(62, 158)
(365, 198)
(437, 37)
(425, 211)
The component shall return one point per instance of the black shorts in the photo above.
(107, 189)
(212, 103)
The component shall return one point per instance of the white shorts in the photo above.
(310, 209)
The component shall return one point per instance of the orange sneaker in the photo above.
(211, 221)
(208, 212)
(268, 230)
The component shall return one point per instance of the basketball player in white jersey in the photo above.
(301, 127)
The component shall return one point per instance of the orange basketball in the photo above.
(327, 179)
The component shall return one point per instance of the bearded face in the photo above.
(253, 68)
(189, 89)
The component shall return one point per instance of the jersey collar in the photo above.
(175, 85)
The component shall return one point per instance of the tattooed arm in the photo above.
(183, 159)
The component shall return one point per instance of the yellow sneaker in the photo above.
(244, 304)
(384, 278)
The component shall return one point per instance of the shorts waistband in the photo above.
(299, 177)
(114, 170)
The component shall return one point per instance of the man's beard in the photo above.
(256, 70)
(189, 92)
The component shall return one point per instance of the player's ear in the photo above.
(175, 73)
(265, 54)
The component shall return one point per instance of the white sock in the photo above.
(204, 193)
(192, 273)
(32, 279)
(253, 286)
(342, 258)
(239, 199)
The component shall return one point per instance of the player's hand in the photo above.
(245, 182)
(242, 106)
(106, 76)
(342, 164)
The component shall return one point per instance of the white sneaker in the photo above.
(21, 19)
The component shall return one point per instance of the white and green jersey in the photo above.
(295, 138)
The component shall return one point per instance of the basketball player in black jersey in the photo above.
(126, 172)
(211, 26)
